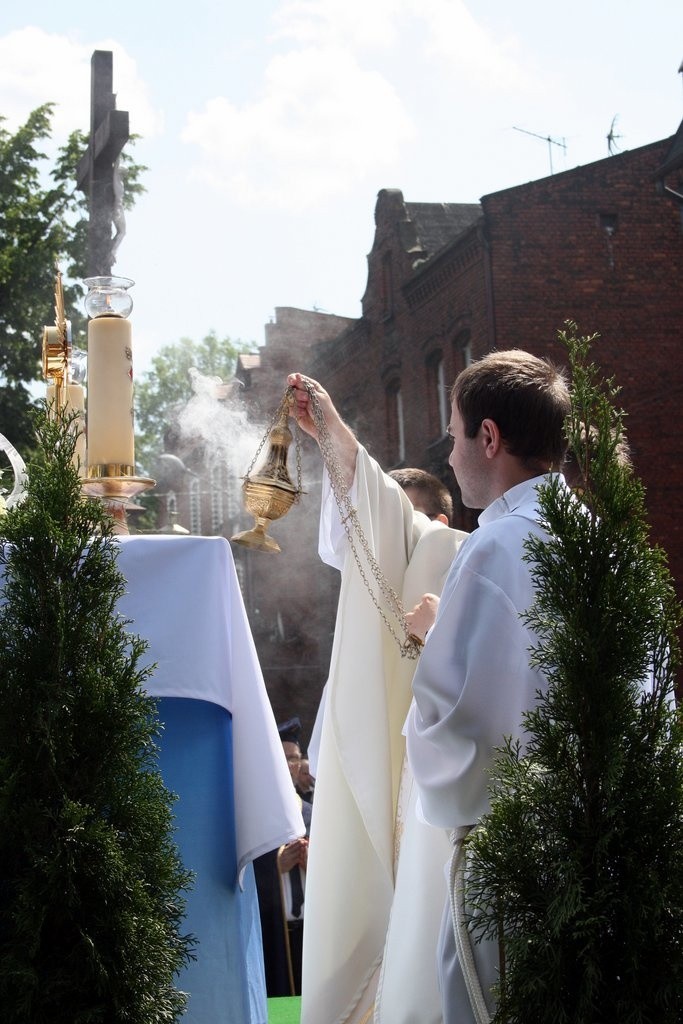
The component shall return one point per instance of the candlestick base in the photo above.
(116, 494)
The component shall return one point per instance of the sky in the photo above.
(269, 127)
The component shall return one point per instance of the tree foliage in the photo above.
(43, 224)
(91, 883)
(167, 387)
(581, 856)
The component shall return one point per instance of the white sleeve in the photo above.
(472, 686)
(313, 750)
(383, 508)
(332, 535)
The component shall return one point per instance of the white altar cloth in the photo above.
(220, 752)
(183, 597)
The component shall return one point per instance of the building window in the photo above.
(437, 395)
(609, 223)
(401, 427)
(395, 424)
(216, 499)
(444, 402)
(171, 508)
(462, 351)
(195, 507)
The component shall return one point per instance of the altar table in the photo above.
(220, 753)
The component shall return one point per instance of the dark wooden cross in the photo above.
(97, 171)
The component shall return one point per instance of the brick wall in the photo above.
(601, 245)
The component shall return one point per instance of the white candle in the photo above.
(110, 392)
(73, 398)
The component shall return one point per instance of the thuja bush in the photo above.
(91, 886)
(578, 868)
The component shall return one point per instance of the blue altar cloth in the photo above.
(226, 981)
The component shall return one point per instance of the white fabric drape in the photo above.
(184, 599)
(351, 867)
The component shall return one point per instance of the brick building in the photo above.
(601, 245)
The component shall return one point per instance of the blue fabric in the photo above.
(226, 982)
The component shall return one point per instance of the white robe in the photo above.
(352, 908)
(469, 695)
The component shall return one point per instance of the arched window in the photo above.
(171, 507)
(437, 396)
(462, 351)
(195, 507)
(216, 499)
(395, 424)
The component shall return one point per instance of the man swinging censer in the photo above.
(269, 494)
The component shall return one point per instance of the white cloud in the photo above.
(334, 108)
(361, 24)
(38, 67)
(322, 124)
(456, 39)
(432, 29)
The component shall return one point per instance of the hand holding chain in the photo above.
(410, 645)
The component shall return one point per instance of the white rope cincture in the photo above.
(463, 941)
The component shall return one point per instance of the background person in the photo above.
(305, 785)
(426, 493)
(281, 885)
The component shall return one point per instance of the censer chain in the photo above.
(410, 645)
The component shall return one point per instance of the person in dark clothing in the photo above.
(280, 883)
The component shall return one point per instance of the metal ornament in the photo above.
(18, 466)
(57, 348)
(270, 493)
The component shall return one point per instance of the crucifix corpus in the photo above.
(98, 172)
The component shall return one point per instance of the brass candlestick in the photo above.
(108, 303)
(115, 484)
(270, 493)
(116, 491)
(57, 349)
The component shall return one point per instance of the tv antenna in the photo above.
(612, 137)
(546, 138)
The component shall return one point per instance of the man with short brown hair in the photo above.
(426, 492)
(474, 680)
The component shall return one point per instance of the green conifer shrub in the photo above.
(91, 886)
(580, 862)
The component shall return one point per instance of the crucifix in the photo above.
(98, 173)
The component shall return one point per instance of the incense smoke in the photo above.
(216, 437)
